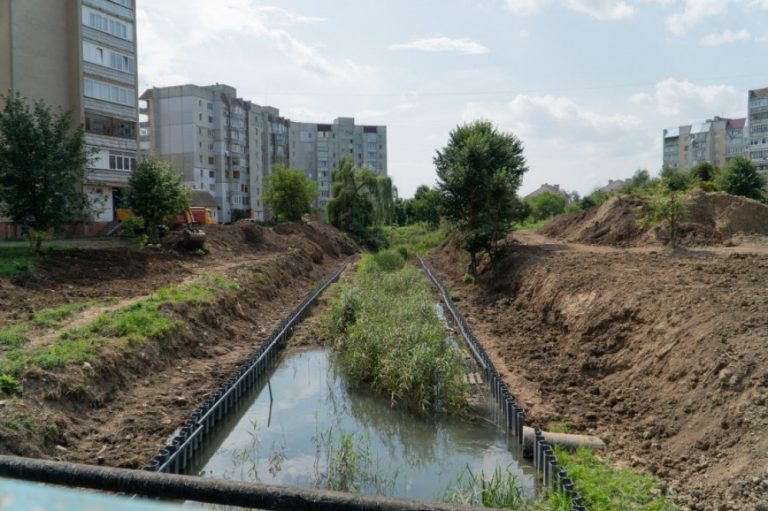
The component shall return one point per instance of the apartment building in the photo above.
(715, 140)
(227, 145)
(757, 113)
(80, 56)
(318, 148)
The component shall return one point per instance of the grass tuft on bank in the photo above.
(126, 326)
(416, 238)
(387, 334)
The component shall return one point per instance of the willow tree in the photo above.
(360, 199)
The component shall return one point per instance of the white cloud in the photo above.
(165, 37)
(524, 34)
(304, 114)
(763, 4)
(604, 10)
(684, 101)
(693, 12)
(524, 7)
(725, 37)
(443, 44)
(364, 115)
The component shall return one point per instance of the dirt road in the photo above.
(660, 353)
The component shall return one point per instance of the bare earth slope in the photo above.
(121, 406)
(661, 354)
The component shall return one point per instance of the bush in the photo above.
(8, 383)
(386, 260)
(741, 177)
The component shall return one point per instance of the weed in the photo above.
(468, 279)
(501, 491)
(349, 464)
(606, 487)
(13, 336)
(8, 383)
(22, 422)
(15, 260)
(385, 260)
(558, 427)
(388, 335)
(417, 238)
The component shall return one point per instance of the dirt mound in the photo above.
(612, 223)
(726, 214)
(661, 355)
(711, 218)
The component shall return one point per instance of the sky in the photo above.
(586, 85)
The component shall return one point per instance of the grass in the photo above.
(347, 464)
(416, 238)
(386, 260)
(386, 331)
(15, 260)
(606, 487)
(129, 325)
(531, 225)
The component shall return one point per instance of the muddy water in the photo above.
(291, 436)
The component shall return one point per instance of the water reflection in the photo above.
(295, 439)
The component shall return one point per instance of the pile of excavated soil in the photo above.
(710, 219)
(614, 222)
(661, 354)
(120, 407)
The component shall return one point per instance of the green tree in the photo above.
(479, 172)
(546, 205)
(741, 177)
(290, 193)
(426, 206)
(704, 172)
(360, 199)
(666, 208)
(675, 180)
(156, 192)
(42, 164)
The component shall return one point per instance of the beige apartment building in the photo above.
(228, 146)
(80, 56)
(716, 140)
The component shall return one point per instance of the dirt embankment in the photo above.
(709, 219)
(661, 355)
(121, 406)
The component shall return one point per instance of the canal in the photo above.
(308, 428)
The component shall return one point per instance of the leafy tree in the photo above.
(426, 206)
(741, 177)
(666, 208)
(546, 205)
(675, 180)
(479, 172)
(155, 192)
(704, 172)
(361, 199)
(290, 193)
(42, 163)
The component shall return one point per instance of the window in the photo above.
(107, 24)
(210, 119)
(210, 161)
(200, 117)
(210, 107)
(108, 126)
(211, 173)
(107, 92)
(124, 3)
(121, 161)
(200, 157)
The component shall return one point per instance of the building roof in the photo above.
(548, 188)
(614, 185)
(201, 198)
(736, 123)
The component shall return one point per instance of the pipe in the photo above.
(212, 491)
(568, 441)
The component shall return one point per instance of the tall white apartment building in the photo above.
(219, 142)
(80, 56)
(318, 148)
(757, 113)
(228, 146)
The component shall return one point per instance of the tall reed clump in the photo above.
(387, 333)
